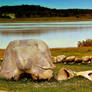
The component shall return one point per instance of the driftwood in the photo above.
(64, 74)
(86, 74)
(72, 59)
(77, 60)
(60, 58)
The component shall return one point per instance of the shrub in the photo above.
(85, 43)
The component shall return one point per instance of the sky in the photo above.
(58, 4)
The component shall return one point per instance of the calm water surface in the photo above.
(55, 34)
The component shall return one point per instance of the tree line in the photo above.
(26, 11)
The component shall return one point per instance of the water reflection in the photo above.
(59, 34)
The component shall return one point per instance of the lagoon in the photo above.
(55, 34)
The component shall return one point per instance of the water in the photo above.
(55, 34)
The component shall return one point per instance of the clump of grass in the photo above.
(85, 43)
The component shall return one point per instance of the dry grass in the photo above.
(1, 53)
(79, 52)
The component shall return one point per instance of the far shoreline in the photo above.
(46, 19)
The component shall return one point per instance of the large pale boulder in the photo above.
(27, 56)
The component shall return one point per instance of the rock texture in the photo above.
(27, 56)
(54, 59)
(64, 74)
(60, 58)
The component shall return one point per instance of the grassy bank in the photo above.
(49, 19)
(79, 52)
(77, 84)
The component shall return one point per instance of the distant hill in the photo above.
(27, 11)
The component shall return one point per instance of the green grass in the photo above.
(76, 84)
